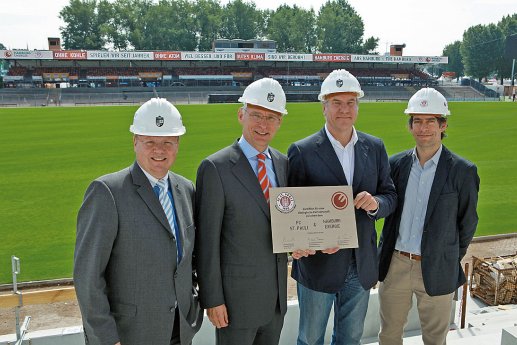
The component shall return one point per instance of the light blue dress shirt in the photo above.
(415, 203)
(251, 154)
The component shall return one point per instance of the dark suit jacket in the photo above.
(450, 220)
(313, 162)
(234, 251)
(125, 272)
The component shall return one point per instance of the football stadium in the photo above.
(66, 116)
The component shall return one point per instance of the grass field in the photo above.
(49, 156)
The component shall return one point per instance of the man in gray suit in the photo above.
(339, 155)
(424, 240)
(133, 269)
(243, 284)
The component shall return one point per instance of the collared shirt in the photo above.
(415, 203)
(251, 154)
(345, 154)
(153, 180)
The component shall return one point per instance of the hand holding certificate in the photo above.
(313, 218)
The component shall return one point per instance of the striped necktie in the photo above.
(162, 186)
(262, 175)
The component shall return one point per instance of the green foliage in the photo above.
(293, 29)
(2, 47)
(50, 155)
(241, 20)
(482, 49)
(455, 62)
(86, 24)
(208, 16)
(340, 28)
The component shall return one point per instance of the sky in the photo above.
(425, 27)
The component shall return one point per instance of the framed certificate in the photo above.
(312, 218)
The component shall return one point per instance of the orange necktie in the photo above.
(262, 175)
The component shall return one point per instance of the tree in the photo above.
(452, 51)
(86, 24)
(241, 20)
(508, 27)
(170, 24)
(341, 29)
(208, 16)
(2, 47)
(293, 29)
(126, 26)
(482, 49)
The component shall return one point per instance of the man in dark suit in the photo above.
(424, 240)
(243, 284)
(133, 269)
(340, 155)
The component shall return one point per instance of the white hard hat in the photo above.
(266, 93)
(157, 117)
(428, 101)
(340, 80)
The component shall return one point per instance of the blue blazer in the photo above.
(450, 221)
(313, 162)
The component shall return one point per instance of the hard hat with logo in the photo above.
(340, 80)
(266, 93)
(428, 101)
(157, 117)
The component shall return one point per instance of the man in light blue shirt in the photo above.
(424, 240)
(243, 284)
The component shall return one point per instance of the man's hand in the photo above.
(366, 201)
(301, 253)
(218, 316)
(330, 250)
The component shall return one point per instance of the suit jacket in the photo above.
(313, 162)
(234, 251)
(450, 221)
(125, 273)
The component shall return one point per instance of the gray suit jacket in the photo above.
(313, 162)
(125, 273)
(234, 252)
(450, 220)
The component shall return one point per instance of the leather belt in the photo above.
(409, 255)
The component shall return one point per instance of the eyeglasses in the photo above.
(270, 119)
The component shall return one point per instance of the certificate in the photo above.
(312, 218)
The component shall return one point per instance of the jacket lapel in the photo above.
(280, 169)
(178, 197)
(147, 194)
(327, 154)
(440, 177)
(361, 149)
(244, 173)
(403, 176)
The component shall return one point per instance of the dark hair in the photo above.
(441, 121)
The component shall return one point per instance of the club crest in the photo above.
(159, 121)
(270, 97)
(339, 82)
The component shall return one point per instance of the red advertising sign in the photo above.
(167, 55)
(250, 56)
(332, 57)
(70, 55)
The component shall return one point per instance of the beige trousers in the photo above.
(404, 279)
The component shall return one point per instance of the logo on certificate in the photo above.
(285, 202)
(339, 200)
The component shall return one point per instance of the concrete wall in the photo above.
(74, 335)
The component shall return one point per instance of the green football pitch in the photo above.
(50, 155)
